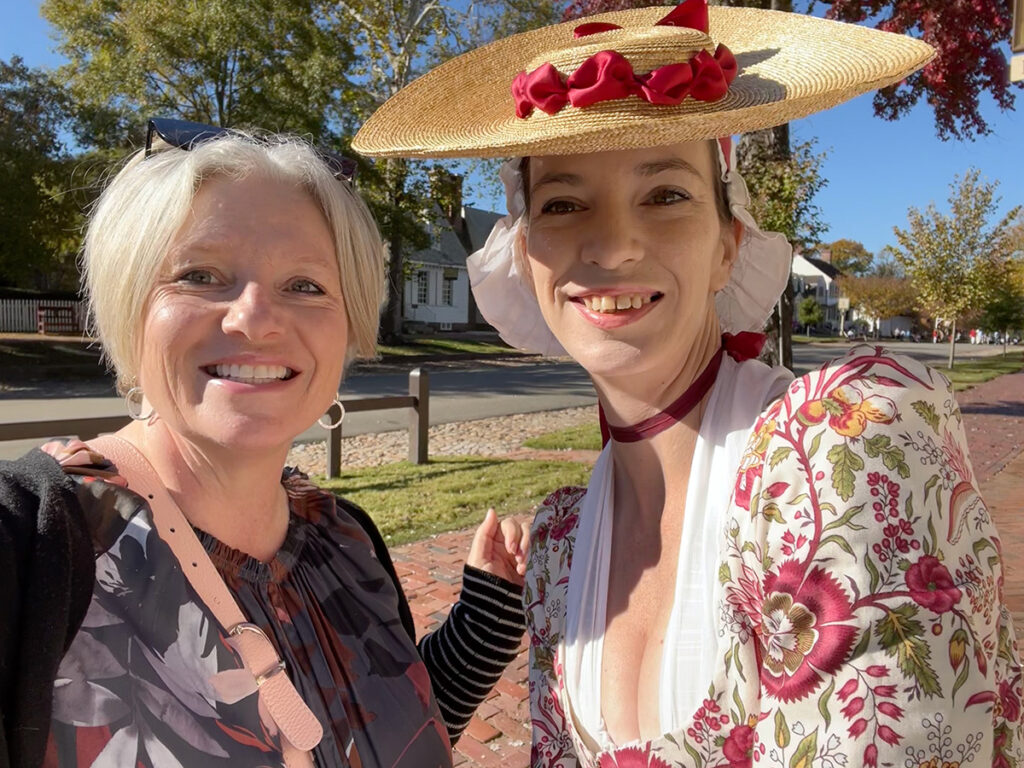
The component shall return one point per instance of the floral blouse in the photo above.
(139, 685)
(859, 611)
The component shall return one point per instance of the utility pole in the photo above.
(784, 309)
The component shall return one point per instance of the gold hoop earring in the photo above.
(333, 425)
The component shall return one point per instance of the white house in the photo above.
(817, 278)
(437, 293)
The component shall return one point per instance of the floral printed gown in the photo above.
(859, 606)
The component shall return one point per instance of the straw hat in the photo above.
(777, 67)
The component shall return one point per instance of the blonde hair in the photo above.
(138, 215)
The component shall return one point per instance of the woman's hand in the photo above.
(500, 548)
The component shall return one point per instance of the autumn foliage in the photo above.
(967, 35)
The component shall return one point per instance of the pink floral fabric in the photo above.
(860, 612)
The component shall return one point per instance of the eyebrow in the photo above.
(666, 164)
(572, 179)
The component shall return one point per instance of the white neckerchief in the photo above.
(740, 393)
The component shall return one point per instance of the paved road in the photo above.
(456, 394)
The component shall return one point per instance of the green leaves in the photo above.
(892, 456)
(847, 520)
(779, 455)
(781, 729)
(845, 464)
(823, 708)
(805, 752)
(954, 260)
(927, 412)
(900, 635)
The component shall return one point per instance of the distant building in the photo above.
(816, 277)
(437, 293)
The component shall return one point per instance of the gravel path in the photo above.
(496, 436)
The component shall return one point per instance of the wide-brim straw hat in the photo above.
(789, 65)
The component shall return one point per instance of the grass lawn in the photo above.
(968, 373)
(437, 346)
(410, 502)
(586, 437)
(800, 338)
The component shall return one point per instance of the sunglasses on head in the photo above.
(183, 134)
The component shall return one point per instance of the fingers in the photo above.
(481, 547)
(516, 534)
(488, 527)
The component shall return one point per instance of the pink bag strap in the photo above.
(300, 729)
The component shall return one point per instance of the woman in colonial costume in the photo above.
(762, 570)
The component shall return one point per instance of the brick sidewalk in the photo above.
(499, 736)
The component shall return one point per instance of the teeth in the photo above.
(250, 374)
(615, 303)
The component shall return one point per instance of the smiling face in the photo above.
(244, 335)
(626, 251)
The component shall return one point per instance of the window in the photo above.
(422, 287)
(448, 291)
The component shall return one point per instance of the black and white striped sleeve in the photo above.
(467, 654)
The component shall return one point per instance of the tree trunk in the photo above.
(391, 321)
(952, 344)
(780, 135)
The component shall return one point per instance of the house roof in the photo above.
(479, 223)
(827, 269)
(450, 251)
(450, 254)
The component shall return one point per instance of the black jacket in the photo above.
(47, 570)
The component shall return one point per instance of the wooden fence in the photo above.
(417, 402)
(22, 315)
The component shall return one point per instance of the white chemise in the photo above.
(740, 393)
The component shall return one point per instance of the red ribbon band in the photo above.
(608, 75)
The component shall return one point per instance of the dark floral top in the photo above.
(144, 683)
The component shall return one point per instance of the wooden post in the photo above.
(334, 443)
(419, 415)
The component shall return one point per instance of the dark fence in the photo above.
(417, 402)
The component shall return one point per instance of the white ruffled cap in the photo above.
(506, 299)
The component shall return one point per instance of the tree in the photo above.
(849, 256)
(394, 43)
(879, 296)
(1005, 310)
(273, 64)
(782, 190)
(33, 214)
(809, 313)
(955, 260)
(969, 35)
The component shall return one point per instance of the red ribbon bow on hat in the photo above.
(608, 75)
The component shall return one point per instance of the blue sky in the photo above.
(875, 169)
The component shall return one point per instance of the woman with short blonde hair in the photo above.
(174, 594)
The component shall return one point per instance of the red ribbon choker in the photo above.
(608, 75)
(740, 347)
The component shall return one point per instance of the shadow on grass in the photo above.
(415, 474)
